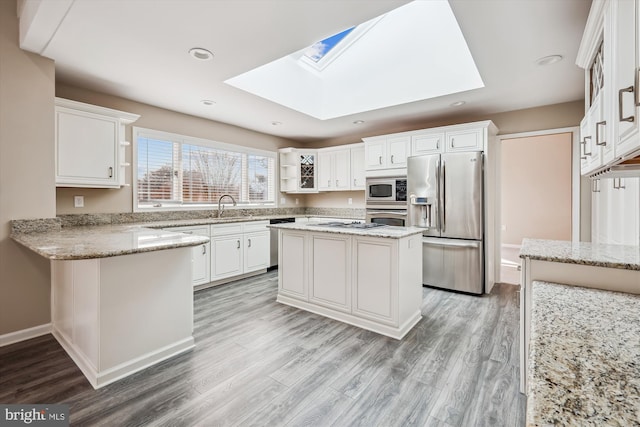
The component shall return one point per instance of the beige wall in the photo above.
(26, 173)
(536, 188)
(336, 199)
(121, 200)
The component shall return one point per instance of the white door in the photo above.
(357, 168)
(256, 251)
(342, 169)
(292, 281)
(398, 151)
(226, 256)
(331, 269)
(200, 261)
(375, 152)
(324, 170)
(427, 144)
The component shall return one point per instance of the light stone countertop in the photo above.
(584, 253)
(584, 357)
(389, 232)
(103, 241)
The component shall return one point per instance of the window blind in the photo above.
(179, 171)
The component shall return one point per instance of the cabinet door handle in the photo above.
(110, 172)
(354, 182)
(620, 107)
(248, 243)
(337, 182)
(392, 159)
(598, 142)
(204, 249)
(238, 244)
(453, 142)
(380, 160)
(328, 183)
(584, 144)
(621, 185)
(188, 232)
(437, 144)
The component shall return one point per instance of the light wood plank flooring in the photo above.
(260, 363)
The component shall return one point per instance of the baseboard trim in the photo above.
(25, 334)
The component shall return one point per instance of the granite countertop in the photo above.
(584, 357)
(609, 256)
(103, 241)
(390, 232)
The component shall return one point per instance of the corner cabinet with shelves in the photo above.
(298, 170)
(90, 145)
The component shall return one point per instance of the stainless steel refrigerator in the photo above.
(445, 197)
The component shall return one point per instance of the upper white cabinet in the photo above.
(357, 178)
(429, 143)
(334, 169)
(464, 140)
(298, 169)
(609, 54)
(90, 145)
(386, 152)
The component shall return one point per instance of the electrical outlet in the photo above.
(282, 200)
(503, 228)
(78, 201)
(296, 201)
(350, 201)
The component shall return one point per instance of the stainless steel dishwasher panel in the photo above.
(453, 264)
(273, 247)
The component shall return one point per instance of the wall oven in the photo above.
(390, 191)
(396, 217)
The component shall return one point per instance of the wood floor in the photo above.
(260, 363)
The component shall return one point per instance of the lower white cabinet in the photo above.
(200, 255)
(615, 211)
(239, 248)
(330, 271)
(371, 282)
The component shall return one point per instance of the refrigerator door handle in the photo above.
(444, 196)
(456, 243)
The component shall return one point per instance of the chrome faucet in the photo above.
(221, 207)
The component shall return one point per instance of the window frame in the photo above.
(137, 132)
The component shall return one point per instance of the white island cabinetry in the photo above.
(367, 278)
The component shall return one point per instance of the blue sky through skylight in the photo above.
(319, 49)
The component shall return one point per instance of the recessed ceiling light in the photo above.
(548, 60)
(458, 104)
(201, 54)
(208, 102)
(276, 123)
(358, 122)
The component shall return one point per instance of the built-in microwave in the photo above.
(390, 191)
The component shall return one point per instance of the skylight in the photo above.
(318, 50)
(413, 53)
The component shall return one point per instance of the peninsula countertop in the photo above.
(387, 231)
(584, 357)
(103, 241)
(584, 253)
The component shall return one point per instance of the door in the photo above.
(200, 260)
(375, 152)
(341, 169)
(292, 281)
(357, 168)
(398, 152)
(453, 264)
(427, 144)
(330, 278)
(461, 195)
(256, 251)
(422, 190)
(325, 167)
(226, 256)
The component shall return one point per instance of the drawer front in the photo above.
(252, 226)
(199, 230)
(224, 229)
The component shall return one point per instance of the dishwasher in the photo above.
(273, 258)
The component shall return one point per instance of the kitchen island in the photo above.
(367, 277)
(121, 296)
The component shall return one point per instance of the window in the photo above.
(178, 171)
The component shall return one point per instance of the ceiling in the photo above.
(138, 49)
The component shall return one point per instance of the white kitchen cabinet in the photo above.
(464, 140)
(625, 75)
(357, 178)
(431, 143)
(293, 279)
(238, 249)
(334, 169)
(330, 273)
(200, 255)
(257, 241)
(387, 152)
(90, 145)
(298, 170)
